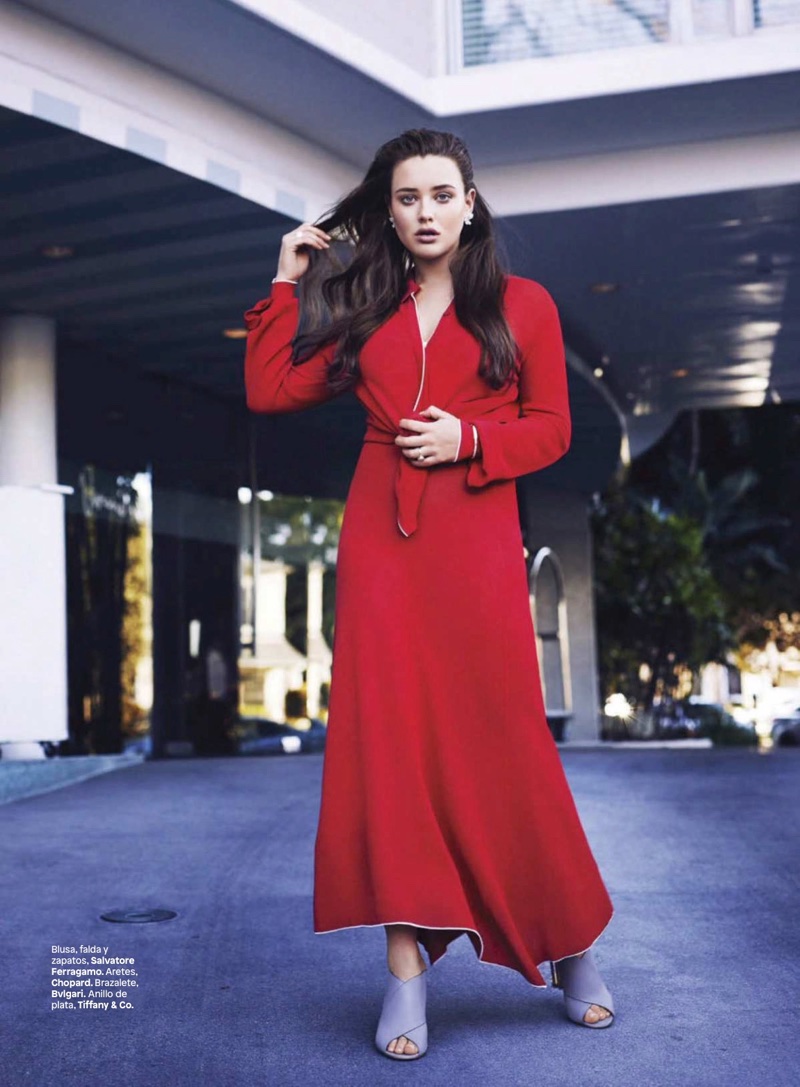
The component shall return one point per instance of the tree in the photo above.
(658, 603)
(97, 532)
(746, 495)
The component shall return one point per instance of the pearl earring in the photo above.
(468, 219)
(391, 220)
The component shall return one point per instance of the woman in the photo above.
(445, 809)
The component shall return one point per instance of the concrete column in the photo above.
(271, 607)
(560, 520)
(33, 617)
(283, 665)
(681, 22)
(319, 654)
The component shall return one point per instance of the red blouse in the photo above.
(522, 428)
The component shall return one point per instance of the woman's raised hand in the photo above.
(294, 258)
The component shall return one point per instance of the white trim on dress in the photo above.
(464, 930)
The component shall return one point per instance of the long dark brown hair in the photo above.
(347, 300)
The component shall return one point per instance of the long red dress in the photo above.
(444, 801)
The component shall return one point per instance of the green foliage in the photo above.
(735, 534)
(721, 727)
(699, 548)
(737, 472)
(657, 600)
(299, 530)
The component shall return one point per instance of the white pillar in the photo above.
(33, 616)
(271, 607)
(681, 22)
(319, 655)
(743, 16)
(284, 665)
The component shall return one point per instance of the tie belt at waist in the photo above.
(409, 482)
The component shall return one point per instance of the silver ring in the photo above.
(420, 455)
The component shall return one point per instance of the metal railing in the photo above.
(496, 31)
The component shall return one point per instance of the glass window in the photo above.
(775, 12)
(495, 31)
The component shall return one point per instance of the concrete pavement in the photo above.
(699, 849)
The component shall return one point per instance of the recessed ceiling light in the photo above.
(235, 333)
(683, 372)
(598, 371)
(56, 252)
(604, 288)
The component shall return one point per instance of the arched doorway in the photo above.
(549, 611)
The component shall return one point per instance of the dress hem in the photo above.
(464, 929)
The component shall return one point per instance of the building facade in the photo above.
(642, 160)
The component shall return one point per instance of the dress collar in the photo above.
(411, 288)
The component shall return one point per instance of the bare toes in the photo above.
(401, 1045)
(595, 1013)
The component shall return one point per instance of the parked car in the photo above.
(712, 720)
(671, 721)
(786, 729)
(274, 738)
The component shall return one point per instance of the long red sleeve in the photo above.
(273, 383)
(542, 433)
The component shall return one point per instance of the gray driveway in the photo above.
(699, 850)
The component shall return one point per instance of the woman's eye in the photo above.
(407, 199)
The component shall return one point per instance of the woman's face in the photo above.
(428, 194)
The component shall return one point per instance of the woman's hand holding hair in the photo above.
(438, 434)
(293, 259)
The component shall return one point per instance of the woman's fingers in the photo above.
(412, 452)
(308, 234)
(439, 434)
(293, 259)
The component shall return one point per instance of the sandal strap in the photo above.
(581, 980)
(403, 1011)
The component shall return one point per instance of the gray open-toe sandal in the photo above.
(582, 985)
(403, 1012)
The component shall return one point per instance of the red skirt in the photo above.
(444, 800)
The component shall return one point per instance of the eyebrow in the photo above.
(408, 189)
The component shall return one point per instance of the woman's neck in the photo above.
(434, 280)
